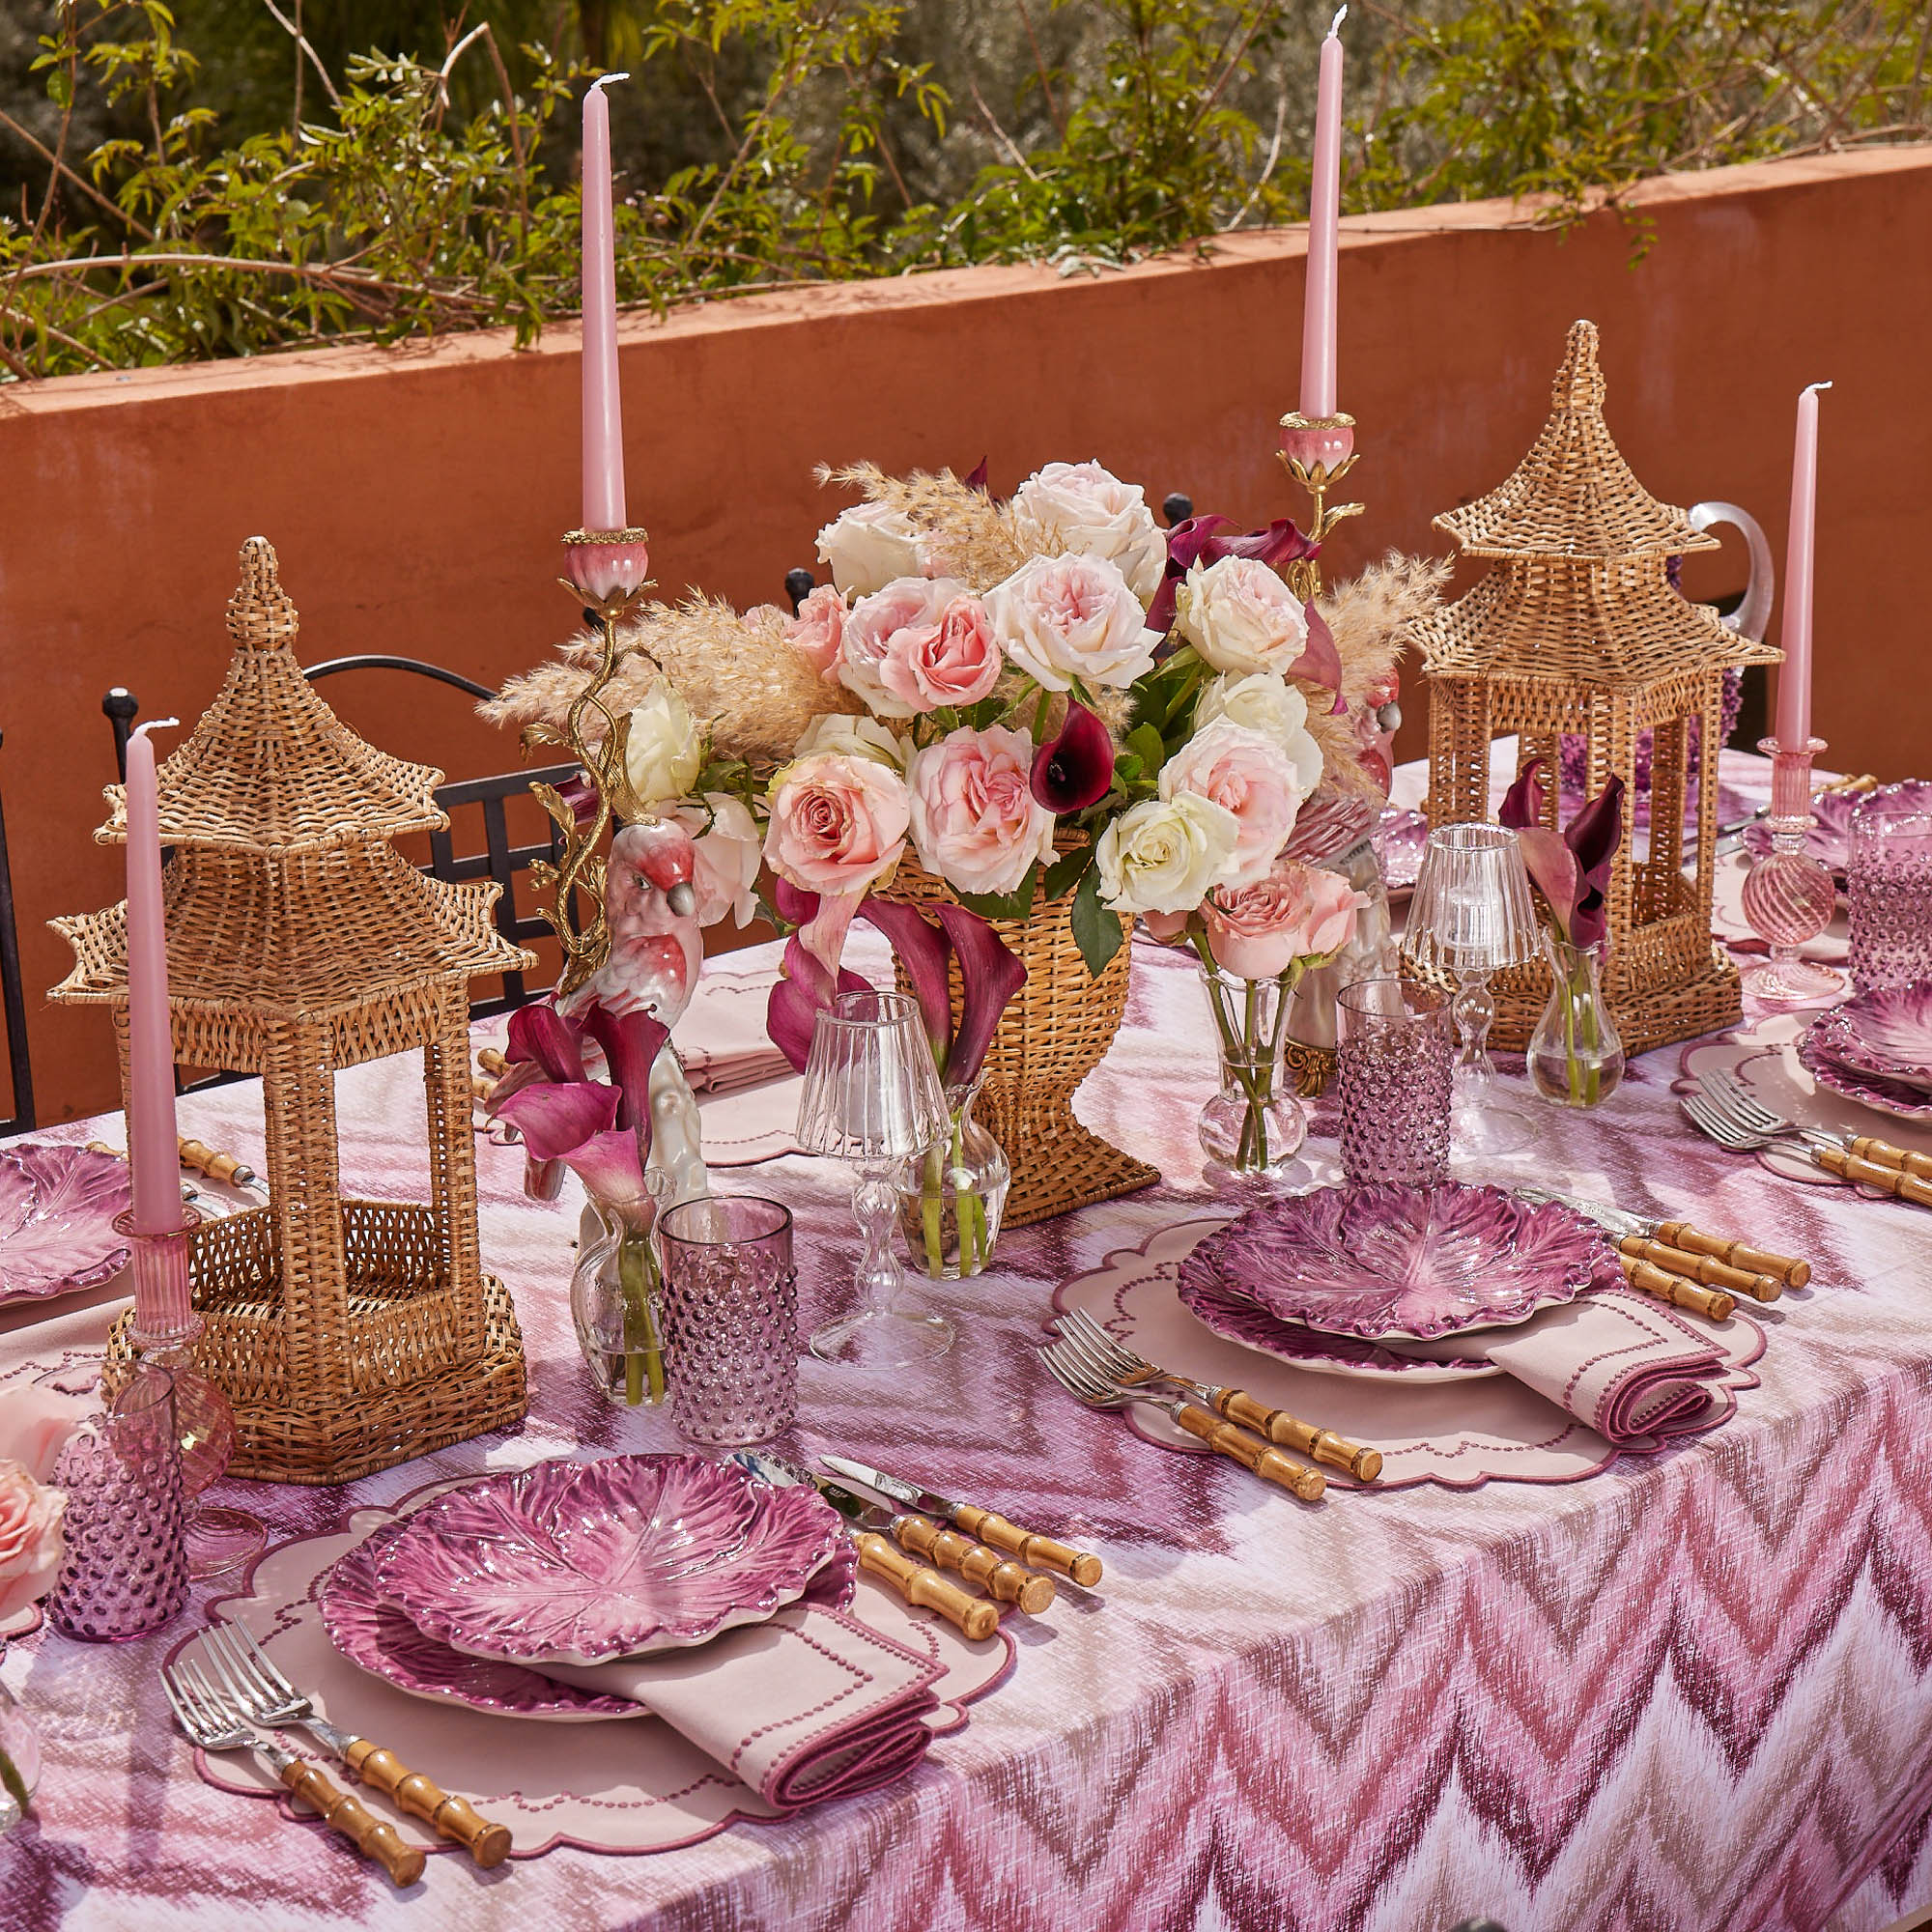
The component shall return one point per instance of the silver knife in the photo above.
(1040, 1552)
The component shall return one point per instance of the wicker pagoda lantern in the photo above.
(348, 1334)
(1577, 631)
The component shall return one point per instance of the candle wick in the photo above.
(154, 724)
(604, 81)
(1335, 25)
(1812, 388)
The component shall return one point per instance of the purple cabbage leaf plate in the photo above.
(1408, 1262)
(1898, 1097)
(57, 1210)
(1885, 1034)
(1235, 1318)
(582, 1562)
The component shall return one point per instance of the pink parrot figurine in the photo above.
(650, 912)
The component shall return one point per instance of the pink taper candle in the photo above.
(603, 406)
(1325, 202)
(153, 1153)
(1794, 677)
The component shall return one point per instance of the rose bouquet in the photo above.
(1575, 1055)
(1032, 700)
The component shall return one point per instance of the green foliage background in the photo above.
(262, 174)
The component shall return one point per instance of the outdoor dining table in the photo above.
(1693, 1691)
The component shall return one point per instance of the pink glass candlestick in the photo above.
(163, 1334)
(1789, 896)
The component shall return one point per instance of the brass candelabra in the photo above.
(1317, 452)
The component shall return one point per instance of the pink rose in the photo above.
(1063, 618)
(975, 819)
(955, 661)
(35, 1423)
(1297, 912)
(1254, 779)
(876, 631)
(838, 822)
(817, 631)
(30, 1539)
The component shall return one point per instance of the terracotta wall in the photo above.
(415, 495)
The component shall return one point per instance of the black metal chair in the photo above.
(1177, 507)
(12, 1002)
(500, 859)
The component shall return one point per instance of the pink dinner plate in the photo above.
(57, 1210)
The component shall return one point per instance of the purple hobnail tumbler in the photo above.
(124, 1572)
(1395, 1061)
(1889, 890)
(730, 1313)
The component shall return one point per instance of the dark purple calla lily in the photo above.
(921, 950)
(990, 974)
(1072, 771)
(541, 1035)
(631, 1042)
(1319, 662)
(1571, 868)
(802, 992)
(976, 479)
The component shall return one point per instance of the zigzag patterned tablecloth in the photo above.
(1695, 1691)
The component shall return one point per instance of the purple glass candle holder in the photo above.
(1395, 1062)
(730, 1305)
(124, 1572)
(163, 1334)
(1890, 887)
(1788, 897)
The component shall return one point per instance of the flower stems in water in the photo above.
(643, 1358)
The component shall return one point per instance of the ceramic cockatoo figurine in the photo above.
(651, 914)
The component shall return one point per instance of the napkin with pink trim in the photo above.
(1622, 1365)
(809, 1705)
(721, 1038)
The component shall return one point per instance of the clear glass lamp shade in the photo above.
(872, 1096)
(1472, 914)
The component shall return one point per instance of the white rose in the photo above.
(856, 737)
(1080, 508)
(1253, 777)
(1166, 855)
(1063, 618)
(1240, 616)
(727, 858)
(1265, 701)
(663, 752)
(868, 546)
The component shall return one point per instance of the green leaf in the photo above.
(1096, 931)
(1001, 905)
(1064, 874)
(14, 1784)
(1148, 746)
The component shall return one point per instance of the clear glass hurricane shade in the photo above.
(872, 1096)
(1472, 915)
(1471, 911)
(872, 1091)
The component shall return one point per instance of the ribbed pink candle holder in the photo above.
(1789, 896)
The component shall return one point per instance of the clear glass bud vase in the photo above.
(950, 1197)
(20, 1758)
(1575, 1055)
(1255, 1125)
(614, 1305)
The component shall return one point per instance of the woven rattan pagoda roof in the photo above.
(323, 930)
(270, 769)
(1583, 623)
(1573, 494)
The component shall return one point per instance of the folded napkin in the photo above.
(721, 1039)
(1622, 1364)
(810, 1704)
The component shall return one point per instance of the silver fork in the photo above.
(1713, 1124)
(1119, 1363)
(215, 1726)
(259, 1685)
(1740, 1104)
(1087, 1384)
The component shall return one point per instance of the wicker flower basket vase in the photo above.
(1054, 1033)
